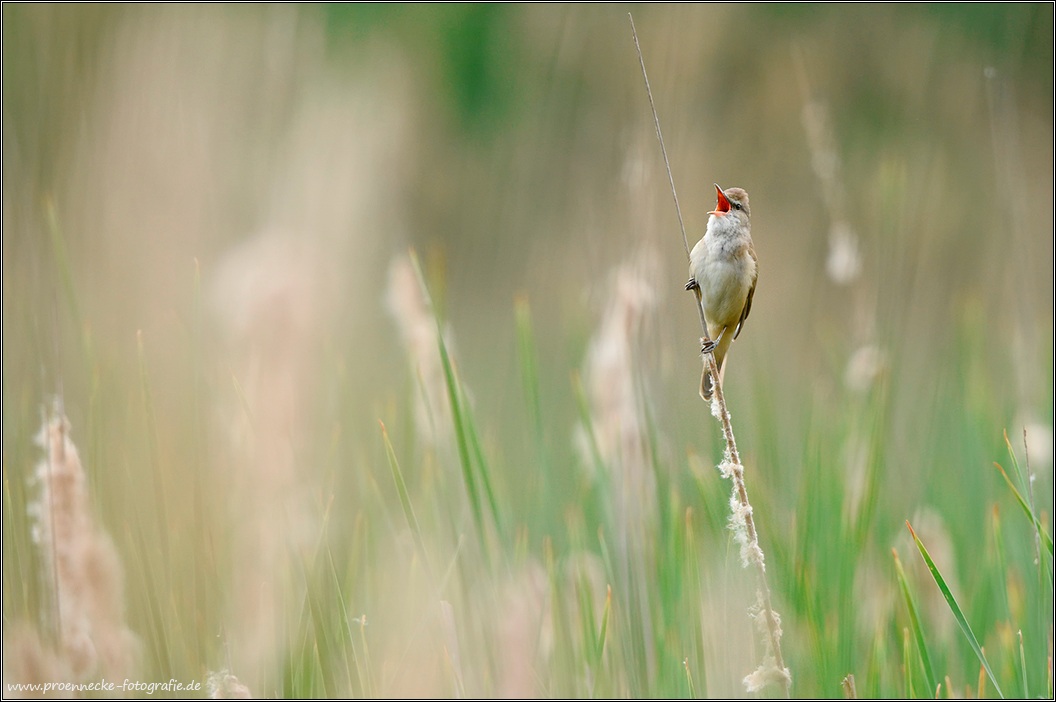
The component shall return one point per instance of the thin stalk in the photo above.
(732, 465)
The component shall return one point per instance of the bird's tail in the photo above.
(707, 386)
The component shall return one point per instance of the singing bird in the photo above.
(723, 268)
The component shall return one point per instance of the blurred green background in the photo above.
(200, 208)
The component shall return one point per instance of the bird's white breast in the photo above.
(723, 269)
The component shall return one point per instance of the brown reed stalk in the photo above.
(772, 669)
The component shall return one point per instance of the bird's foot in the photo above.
(707, 346)
(692, 284)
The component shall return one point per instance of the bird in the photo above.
(723, 270)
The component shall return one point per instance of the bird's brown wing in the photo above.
(751, 293)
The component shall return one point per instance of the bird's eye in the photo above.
(737, 206)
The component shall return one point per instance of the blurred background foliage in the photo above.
(197, 199)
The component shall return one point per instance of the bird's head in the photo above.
(733, 200)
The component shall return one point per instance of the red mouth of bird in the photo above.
(722, 204)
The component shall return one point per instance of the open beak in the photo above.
(723, 205)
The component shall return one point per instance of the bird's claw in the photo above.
(692, 284)
(706, 346)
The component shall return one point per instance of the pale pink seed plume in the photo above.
(29, 661)
(267, 295)
(615, 389)
(283, 296)
(618, 398)
(875, 600)
(82, 569)
(843, 263)
(525, 632)
(409, 308)
(217, 126)
(866, 365)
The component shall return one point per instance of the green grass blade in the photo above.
(956, 609)
(1023, 666)
(62, 263)
(588, 628)
(530, 378)
(914, 619)
(1041, 532)
(150, 428)
(150, 578)
(603, 633)
(583, 406)
(365, 647)
(1048, 679)
(344, 625)
(484, 471)
(907, 677)
(458, 416)
(405, 498)
(1038, 526)
(461, 438)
